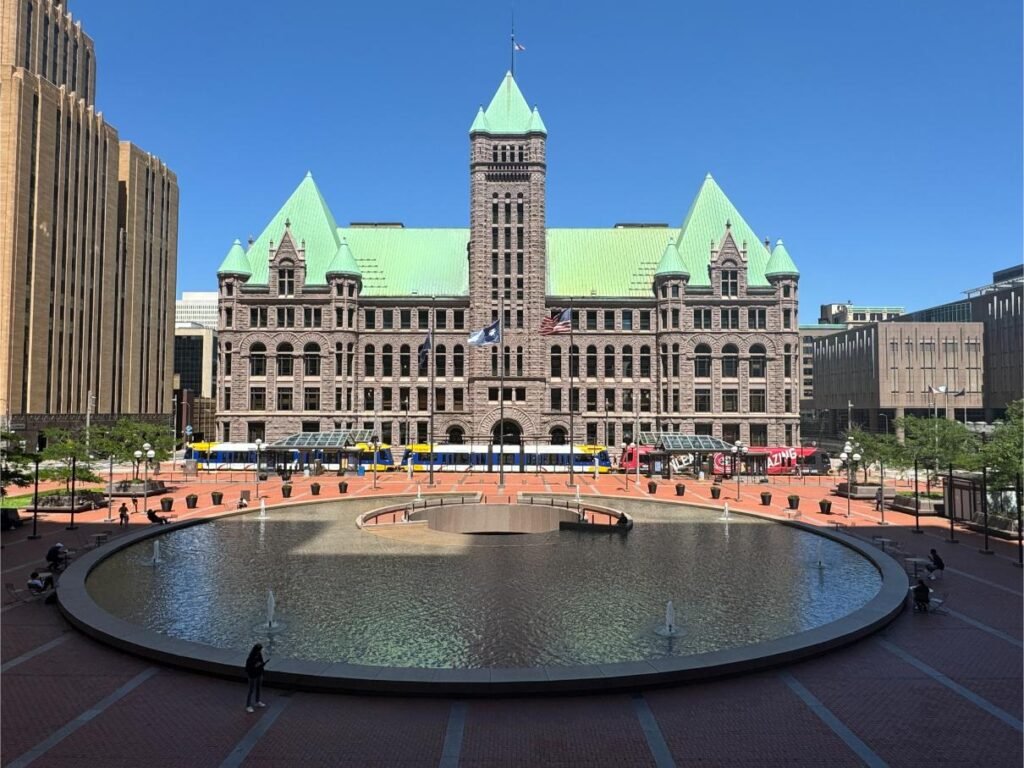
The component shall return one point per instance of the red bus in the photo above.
(782, 460)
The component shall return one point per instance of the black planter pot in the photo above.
(343, 486)
(315, 488)
(680, 489)
(166, 504)
(286, 491)
(766, 498)
(826, 506)
(716, 491)
(652, 487)
(191, 500)
(217, 496)
(794, 502)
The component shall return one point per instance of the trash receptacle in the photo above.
(361, 471)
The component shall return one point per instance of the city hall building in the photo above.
(689, 329)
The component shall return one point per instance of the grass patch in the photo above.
(25, 500)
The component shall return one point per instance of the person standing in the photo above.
(254, 672)
(122, 514)
(878, 500)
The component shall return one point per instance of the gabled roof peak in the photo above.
(780, 264)
(671, 263)
(508, 113)
(235, 262)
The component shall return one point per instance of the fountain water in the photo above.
(271, 605)
(725, 512)
(821, 563)
(577, 494)
(419, 491)
(263, 509)
(155, 560)
(669, 628)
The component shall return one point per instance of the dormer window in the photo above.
(286, 280)
(730, 282)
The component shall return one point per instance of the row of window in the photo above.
(702, 363)
(344, 317)
(642, 400)
(285, 398)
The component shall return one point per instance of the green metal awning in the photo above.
(340, 438)
(680, 443)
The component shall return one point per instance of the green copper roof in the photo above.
(395, 261)
(235, 263)
(705, 224)
(508, 113)
(671, 262)
(780, 264)
(604, 262)
(311, 221)
(343, 263)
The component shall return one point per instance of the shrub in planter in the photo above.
(217, 496)
(191, 500)
(716, 491)
(766, 498)
(794, 501)
(166, 504)
(826, 506)
(652, 487)
(286, 490)
(315, 488)
(680, 489)
(343, 486)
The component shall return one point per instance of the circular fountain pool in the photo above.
(405, 597)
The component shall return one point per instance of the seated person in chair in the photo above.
(37, 585)
(153, 517)
(243, 503)
(937, 565)
(922, 596)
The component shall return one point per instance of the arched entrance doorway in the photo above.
(456, 435)
(557, 435)
(513, 433)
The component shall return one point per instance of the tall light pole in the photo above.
(148, 454)
(849, 457)
(259, 453)
(376, 442)
(738, 450)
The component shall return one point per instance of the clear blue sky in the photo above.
(881, 140)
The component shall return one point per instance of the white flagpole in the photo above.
(572, 412)
(433, 393)
(501, 392)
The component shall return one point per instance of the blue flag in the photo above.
(489, 334)
(424, 350)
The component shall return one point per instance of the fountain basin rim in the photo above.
(81, 611)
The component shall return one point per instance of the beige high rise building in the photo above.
(88, 238)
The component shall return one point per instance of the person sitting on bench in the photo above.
(937, 564)
(243, 503)
(153, 517)
(922, 596)
(37, 585)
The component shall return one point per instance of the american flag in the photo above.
(559, 323)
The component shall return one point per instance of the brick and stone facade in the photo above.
(88, 237)
(313, 340)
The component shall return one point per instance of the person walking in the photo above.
(878, 500)
(937, 567)
(254, 672)
(122, 514)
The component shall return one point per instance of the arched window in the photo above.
(387, 361)
(758, 361)
(557, 435)
(609, 361)
(702, 362)
(574, 361)
(645, 362)
(440, 360)
(350, 358)
(369, 361)
(787, 360)
(627, 362)
(311, 359)
(591, 361)
(456, 435)
(730, 361)
(507, 362)
(457, 361)
(556, 362)
(519, 361)
(404, 365)
(257, 360)
(285, 360)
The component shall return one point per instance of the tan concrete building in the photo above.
(873, 374)
(88, 237)
(849, 314)
(691, 328)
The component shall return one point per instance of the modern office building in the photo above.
(849, 314)
(195, 372)
(808, 335)
(88, 238)
(997, 306)
(689, 328)
(196, 308)
(873, 374)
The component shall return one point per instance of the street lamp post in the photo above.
(35, 502)
(74, 471)
(917, 502)
(738, 450)
(148, 454)
(850, 458)
(259, 453)
(376, 441)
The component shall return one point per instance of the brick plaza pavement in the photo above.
(928, 690)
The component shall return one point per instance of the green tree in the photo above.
(939, 443)
(126, 436)
(1003, 454)
(67, 449)
(15, 463)
(874, 447)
